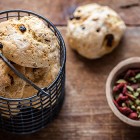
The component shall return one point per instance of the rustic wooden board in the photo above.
(85, 114)
(59, 10)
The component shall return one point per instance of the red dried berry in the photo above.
(129, 74)
(124, 89)
(127, 93)
(118, 87)
(121, 98)
(125, 110)
(128, 103)
(133, 116)
(116, 104)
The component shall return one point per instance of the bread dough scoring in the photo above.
(29, 42)
(94, 30)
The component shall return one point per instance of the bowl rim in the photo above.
(118, 69)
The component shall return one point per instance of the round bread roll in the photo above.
(29, 42)
(11, 86)
(94, 30)
(42, 77)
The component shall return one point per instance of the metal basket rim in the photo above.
(63, 47)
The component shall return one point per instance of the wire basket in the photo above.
(28, 115)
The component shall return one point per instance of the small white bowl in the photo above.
(133, 62)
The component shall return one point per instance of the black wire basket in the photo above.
(28, 115)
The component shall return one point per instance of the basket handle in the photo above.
(40, 90)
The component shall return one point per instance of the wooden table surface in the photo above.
(85, 114)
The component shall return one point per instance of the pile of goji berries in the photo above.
(126, 93)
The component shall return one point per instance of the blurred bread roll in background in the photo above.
(94, 30)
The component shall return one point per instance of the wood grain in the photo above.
(85, 114)
(58, 11)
